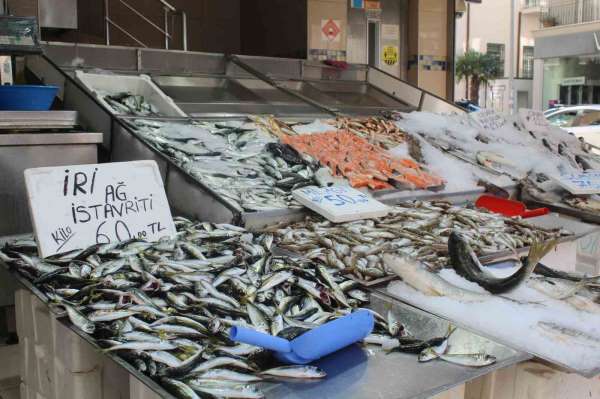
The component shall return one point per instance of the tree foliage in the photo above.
(477, 68)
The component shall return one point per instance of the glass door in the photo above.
(373, 33)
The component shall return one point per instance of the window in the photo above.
(563, 119)
(528, 62)
(588, 118)
(564, 77)
(497, 50)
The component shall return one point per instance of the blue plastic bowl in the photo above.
(27, 97)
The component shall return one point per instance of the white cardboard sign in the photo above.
(587, 182)
(340, 203)
(73, 207)
(489, 119)
(533, 120)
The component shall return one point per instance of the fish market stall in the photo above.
(185, 84)
(232, 137)
(172, 336)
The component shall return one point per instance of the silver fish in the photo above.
(302, 372)
(142, 346)
(221, 390)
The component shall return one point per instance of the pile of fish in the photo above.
(538, 188)
(417, 229)
(166, 307)
(376, 130)
(362, 163)
(238, 161)
(531, 159)
(130, 104)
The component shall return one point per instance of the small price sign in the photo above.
(489, 119)
(73, 207)
(533, 120)
(587, 182)
(340, 203)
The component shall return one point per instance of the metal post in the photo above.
(106, 20)
(166, 28)
(184, 27)
(511, 68)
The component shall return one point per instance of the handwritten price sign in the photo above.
(73, 207)
(340, 203)
(587, 182)
(488, 119)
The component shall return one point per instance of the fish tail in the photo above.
(451, 329)
(538, 250)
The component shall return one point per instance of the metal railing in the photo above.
(168, 10)
(560, 12)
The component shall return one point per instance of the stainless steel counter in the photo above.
(30, 120)
(36, 139)
(31, 150)
(359, 373)
(565, 257)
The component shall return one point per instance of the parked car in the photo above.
(468, 106)
(581, 120)
(554, 108)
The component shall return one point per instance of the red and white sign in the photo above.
(372, 5)
(331, 30)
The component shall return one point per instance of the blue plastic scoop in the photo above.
(313, 344)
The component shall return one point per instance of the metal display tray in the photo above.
(513, 344)
(37, 120)
(357, 372)
(552, 220)
(564, 209)
(191, 197)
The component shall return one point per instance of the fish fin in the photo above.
(451, 329)
(537, 251)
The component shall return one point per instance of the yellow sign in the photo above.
(390, 55)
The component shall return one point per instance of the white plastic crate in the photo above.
(532, 380)
(133, 84)
(58, 364)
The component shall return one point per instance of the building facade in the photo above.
(485, 27)
(409, 39)
(567, 54)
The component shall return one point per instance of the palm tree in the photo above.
(476, 68)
